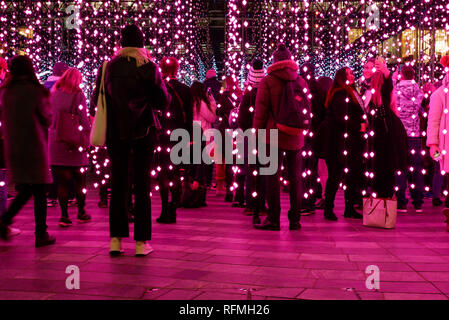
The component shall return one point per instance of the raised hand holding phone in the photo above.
(435, 152)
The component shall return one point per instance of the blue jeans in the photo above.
(3, 191)
(416, 177)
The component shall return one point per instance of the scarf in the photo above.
(359, 100)
(141, 55)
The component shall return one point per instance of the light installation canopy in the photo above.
(332, 34)
(85, 33)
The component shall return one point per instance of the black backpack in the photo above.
(293, 115)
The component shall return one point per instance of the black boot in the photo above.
(256, 219)
(293, 217)
(164, 215)
(83, 217)
(229, 196)
(350, 212)
(4, 231)
(44, 240)
(329, 214)
(168, 215)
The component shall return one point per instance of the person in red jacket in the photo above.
(267, 105)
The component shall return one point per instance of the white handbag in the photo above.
(98, 132)
(379, 212)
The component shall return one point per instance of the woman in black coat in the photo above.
(389, 144)
(26, 117)
(341, 142)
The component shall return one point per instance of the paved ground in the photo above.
(214, 253)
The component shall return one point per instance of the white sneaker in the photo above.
(116, 247)
(143, 249)
(13, 232)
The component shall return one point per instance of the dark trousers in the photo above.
(166, 177)
(229, 177)
(446, 200)
(310, 164)
(416, 177)
(335, 175)
(119, 153)
(293, 167)
(437, 181)
(3, 191)
(65, 176)
(255, 184)
(105, 169)
(25, 192)
(53, 188)
(209, 175)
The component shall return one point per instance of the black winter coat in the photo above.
(330, 142)
(245, 118)
(180, 109)
(319, 95)
(26, 117)
(131, 93)
(224, 112)
(390, 142)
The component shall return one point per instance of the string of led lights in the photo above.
(334, 34)
(85, 33)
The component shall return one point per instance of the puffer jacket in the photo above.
(408, 97)
(268, 99)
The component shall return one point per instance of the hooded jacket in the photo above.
(439, 121)
(268, 99)
(409, 97)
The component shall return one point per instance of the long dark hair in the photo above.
(21, 67)
(199, 94)
(340, 84)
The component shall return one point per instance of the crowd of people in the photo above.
(369, 141)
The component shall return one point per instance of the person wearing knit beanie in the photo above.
(132, 36)
(59, 68)
(210, 74)
(256, 73)
(281, 53)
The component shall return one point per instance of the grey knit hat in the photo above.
(281, 53)
(59, 68)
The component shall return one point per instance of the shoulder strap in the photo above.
(179, 99)
(101, 91)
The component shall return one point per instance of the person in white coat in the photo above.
(438, 125)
